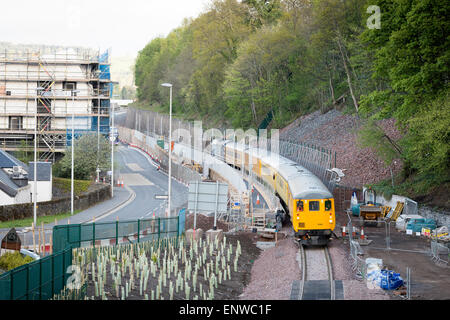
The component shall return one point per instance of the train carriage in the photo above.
(305, 198)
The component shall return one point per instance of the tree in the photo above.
(86, 157)
(411, 54)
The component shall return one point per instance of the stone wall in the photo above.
(57, 206)
(441, 217)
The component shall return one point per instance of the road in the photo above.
(136, 200)
(142, 177)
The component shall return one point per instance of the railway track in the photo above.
(317, 281)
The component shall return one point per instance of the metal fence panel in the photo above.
(34, 271)
(80, 235)
(46, 277)
(19, 280)
(38, 280)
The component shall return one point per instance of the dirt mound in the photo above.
(204, 222)
(338, 132)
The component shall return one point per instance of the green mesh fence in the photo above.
(116, 232)
(44, 278)
(38, 280)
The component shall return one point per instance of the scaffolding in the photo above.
(52, 84)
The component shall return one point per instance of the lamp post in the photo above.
(35, 158)
(112, 138)
(169, 85)
(73, 151)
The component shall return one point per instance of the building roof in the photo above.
(8, 161)
(7, 184)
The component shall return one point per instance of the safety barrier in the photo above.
(440, 253)
(358, 264)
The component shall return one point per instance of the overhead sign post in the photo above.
(217, 202)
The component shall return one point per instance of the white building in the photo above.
(51, 85)
(16, 183)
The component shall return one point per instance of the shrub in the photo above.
(10, 260)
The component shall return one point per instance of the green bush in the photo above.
(64, 184)
(10, 260)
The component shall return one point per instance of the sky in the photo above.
(124, 26)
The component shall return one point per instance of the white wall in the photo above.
(44, 190)
(23, 196)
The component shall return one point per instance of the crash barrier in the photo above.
(37, 280)
(117, 232)
(440, 253)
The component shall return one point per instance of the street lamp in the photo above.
(112, 138)
(35, 157)
(169, 85)
(73, 150)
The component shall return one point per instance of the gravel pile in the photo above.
(316, 264)
(337, 132)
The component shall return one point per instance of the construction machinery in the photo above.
(370, 211)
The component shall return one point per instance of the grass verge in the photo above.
(27, 221)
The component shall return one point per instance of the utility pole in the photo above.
(35, 158)
(73, 150)
(112, 138)
(170, 146)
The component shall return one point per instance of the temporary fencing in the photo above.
(440, 253)
(316, 159)
(358, 263)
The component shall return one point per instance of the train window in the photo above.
(314, 206)
(327, 205)
(300, 205)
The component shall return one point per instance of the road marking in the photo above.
(134, 167)
(136, 179)
(122, 205)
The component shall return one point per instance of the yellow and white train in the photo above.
(304, 197)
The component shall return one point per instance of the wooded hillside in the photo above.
(239, 61)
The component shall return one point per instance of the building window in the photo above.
(70, 86)
(15, 123)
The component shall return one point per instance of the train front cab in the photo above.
(313, 221)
